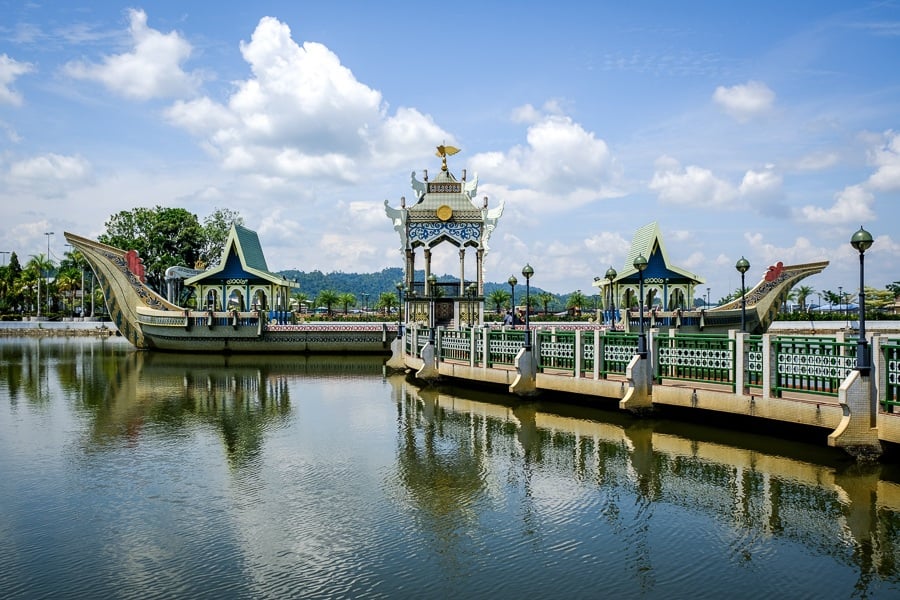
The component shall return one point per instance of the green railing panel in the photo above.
(503, 346)
(556, 350)
(696, 358)
(891, 396)
(456, 344)
(618, 349)
(812, 365)
(753, 375)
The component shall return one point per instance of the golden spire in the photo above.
(443, 152)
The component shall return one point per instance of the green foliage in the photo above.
(328, 298)
(498, 299)
(163, 237)
(215, 233)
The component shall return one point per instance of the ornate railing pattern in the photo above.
(812, 365)
(753, 373)
(699, 358)
(456, 344)
(556, 350)
(618, 348)
(891, 396)
(503, 347)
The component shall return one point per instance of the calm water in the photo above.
(136, 475)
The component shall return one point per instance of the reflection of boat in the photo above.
(150, 321)
(763, 303)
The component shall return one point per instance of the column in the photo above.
(479, 275)
(428, 291)
(462, 271)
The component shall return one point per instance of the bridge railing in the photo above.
(811, 365)
(503, 345)
(890, 398)
(696, 358)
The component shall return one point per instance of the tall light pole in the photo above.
(841, 301)
(862, 241)
(48, 234)
(527, 271)
(512, 281)
(707, 298)
(743, 265)
(640, 263)
(399, 287)
(611, 276)
(472, 289)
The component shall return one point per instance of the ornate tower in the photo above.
(444, 210)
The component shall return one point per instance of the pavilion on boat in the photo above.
(665, 285)
(242, 280)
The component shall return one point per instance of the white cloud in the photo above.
(50, 167)
(818, 161)
(852, 204)
(10, 69)
(561, 166)
(303, 114)
(760, 184)
(887, 158)
(746, 101)
(151, 70)
(690, 186)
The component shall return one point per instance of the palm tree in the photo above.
(301, 299)
(327, 298)
(386, 301)
(347, 300)
(803, 292)
(498, 298)
(39, 268)
(576, 301)
(545, 298)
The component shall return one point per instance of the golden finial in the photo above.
(443, 152)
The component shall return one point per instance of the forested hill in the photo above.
(374, 284)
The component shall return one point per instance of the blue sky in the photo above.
(768, 130)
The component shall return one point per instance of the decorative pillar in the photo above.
(410, 274)
(479, 275)
(427, 271)
(462, 271)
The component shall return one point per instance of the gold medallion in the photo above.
(444, 212)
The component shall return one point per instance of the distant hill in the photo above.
(374, 284)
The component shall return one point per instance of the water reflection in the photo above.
(448, 443)
(319, 476)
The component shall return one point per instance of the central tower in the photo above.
(444, 210)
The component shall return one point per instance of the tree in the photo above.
(498, 298)
(386, 301)
(327, 298)
(576, 301)
(894, 288)
(300, 299)
(346, 300)
(545, 298)
(215, 233)
(803, 292)
(163, 238)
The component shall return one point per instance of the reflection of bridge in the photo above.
(726, 476)
(809, 381)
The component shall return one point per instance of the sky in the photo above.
(768, 130)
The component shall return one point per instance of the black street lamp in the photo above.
(611, 276)
(640, 263)
(527, 272)
(707, 298)
(743, 265)
(512, 281)
(862, 241)
(841, 300)
(399, 287)
(432, 282)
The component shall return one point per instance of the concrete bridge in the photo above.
(809, 380)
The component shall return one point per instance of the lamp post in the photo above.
(3, 253)
(512, 281)
(48, 234)
(640, 263)
(399, 287)
(862, 241)
(365, 303)
(527, 271)
(841, 301)
(611, 276)
(707, 298)
(432, 282)
(743, 265)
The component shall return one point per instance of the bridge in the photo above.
(798, 379)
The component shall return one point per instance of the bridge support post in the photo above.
(855, 434)
(429, 370)
(525, 383)
(640, 385)
(396, 361)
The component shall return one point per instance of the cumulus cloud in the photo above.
(10, 69)
(690, 186)
(302, 113)
(50, 167)
(746, 101)
(852, 204)
(152, 69)
(886, 157)
(561, 166)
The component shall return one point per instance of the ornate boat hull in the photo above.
(149, 321)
